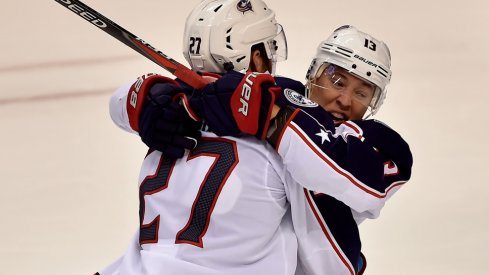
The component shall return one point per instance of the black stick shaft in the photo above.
(182, 72)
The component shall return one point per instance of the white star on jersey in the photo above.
(324, 136)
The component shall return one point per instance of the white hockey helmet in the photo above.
(360, 54)
(220, 33)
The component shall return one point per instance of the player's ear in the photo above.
(257, 62)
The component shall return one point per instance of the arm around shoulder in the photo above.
(360, 163)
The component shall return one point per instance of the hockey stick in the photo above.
(182, 72)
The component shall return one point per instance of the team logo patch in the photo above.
(298, 99)
(244, 6)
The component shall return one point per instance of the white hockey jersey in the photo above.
(235, 206)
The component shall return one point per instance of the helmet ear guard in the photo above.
(219, 34)
(361, 55)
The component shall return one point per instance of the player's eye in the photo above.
(361, 94)
(338, 82)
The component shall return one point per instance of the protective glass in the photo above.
(334, 80)
(277, 47)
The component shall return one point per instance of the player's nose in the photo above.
(344, 99)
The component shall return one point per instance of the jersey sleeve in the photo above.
(118, 108)
(288, 83)
(341, 163)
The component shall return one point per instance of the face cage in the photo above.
(374, 104)
(276, 48)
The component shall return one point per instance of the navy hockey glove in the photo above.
(212, 104)
(252, 103)
(257, 94)
(235, 105)
(164, 124)
(239, 104)
(136, 97)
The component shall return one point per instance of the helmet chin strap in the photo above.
(273, 67)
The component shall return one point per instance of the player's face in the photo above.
(342, 94)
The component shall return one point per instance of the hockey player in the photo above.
(241, 206)
(221, 209)
(352, 165)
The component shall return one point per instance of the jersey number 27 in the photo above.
(225, 159)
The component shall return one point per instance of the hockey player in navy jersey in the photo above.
(360, 162)
(233, 205)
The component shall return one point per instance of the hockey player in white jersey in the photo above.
(231, 214)
(221, 209)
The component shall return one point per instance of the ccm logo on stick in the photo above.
(245, 94)
(86, 15)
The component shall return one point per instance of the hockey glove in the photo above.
(239, 104)
(252, 103)
(164, 124)
(235, 105)
(212, 104)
